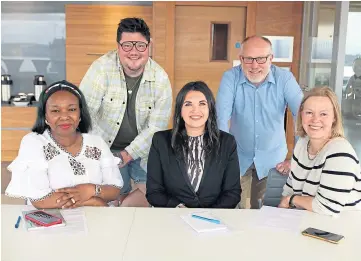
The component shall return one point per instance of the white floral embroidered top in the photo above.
(42, 166)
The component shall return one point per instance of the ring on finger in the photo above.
(72, 200)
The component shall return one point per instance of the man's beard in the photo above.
(259, 78)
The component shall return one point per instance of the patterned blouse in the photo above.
(42, 166)
(195, 161)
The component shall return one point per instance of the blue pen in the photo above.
(215, 221)
(18, 222)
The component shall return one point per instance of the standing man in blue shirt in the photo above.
(254, 97)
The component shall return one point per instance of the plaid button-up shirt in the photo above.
(105, 92)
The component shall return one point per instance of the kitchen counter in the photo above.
(6, 104)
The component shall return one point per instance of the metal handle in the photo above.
(97, 54)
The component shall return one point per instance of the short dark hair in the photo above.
(179, 134)
(85, 124)
(133, 25)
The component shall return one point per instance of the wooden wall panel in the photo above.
(20, 120)
(10, 143)
(18, 117)
(163, 39)
(81, 57)
(251, 19)
(282, 19)
(91, 32)
(159, 32)
(97, 25)
(170, 41)
(213, 3)
(8, 155)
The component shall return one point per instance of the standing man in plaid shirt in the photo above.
(130, 98)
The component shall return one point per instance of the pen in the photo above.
(215, 221)
(18, 222)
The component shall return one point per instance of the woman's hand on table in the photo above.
(76, 196)
(285, 202)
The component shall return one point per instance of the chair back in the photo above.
(274, 188)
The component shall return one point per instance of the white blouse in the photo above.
(42, 166)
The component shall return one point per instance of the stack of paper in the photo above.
(279, 218)
(200, 225)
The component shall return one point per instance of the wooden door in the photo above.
(193, 43)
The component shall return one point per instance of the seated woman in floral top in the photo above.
(59, 165)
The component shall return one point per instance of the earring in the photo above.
(46, 122)
(79, 119)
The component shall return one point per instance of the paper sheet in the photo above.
(279, 218)
(201, 225)
(75, 223)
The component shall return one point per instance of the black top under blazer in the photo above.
(168, 184)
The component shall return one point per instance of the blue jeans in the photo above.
(133, 171)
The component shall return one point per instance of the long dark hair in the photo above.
(179, 134)
(84, 125)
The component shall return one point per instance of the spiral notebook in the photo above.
(202, 226)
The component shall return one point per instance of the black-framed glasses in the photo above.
(259, 60)
(129, 45)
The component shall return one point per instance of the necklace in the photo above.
(130, 90)
(314, 155)
(63, 149)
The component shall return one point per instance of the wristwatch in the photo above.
(98, 190)
(290, 203)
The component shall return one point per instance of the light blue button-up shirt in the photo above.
(256, 115)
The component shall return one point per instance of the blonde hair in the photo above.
(323, 91)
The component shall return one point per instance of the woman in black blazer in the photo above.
(194, 165)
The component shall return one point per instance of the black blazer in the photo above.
(168, 184)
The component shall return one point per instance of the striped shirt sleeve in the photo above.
(338, 181)
(287, 188)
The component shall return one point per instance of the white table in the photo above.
(108, 230)
(159, 234)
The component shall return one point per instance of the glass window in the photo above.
(319, 43)
(32, 44)
(322, 43)
(219, 42)
(351, 89)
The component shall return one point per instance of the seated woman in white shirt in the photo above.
(59, 165)
(325, 171)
